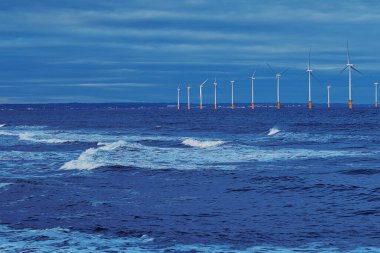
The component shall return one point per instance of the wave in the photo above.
(87, 160)
(273, 131)
(2, 125)
(4, 184)
(201, 144)
(136, 155)
(32, 137)
(66, 240)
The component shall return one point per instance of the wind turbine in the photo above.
(278, 76)
(376, 84)
(178, 89)
(350, 67)
(309, 72)
(328, 96)
(253, 77)
(232, 95)
(200, 94)
(215, 84)
(188, 97)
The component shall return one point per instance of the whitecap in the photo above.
(31, 137)
(2, 125)
(201, 144)
(273, 131)
(88, 159)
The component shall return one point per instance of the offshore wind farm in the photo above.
(189, 126)
(278, 75)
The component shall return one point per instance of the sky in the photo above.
(54, 51)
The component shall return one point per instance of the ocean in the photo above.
(150, 178)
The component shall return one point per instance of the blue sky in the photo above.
(139, 51)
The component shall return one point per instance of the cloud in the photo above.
(72, 46)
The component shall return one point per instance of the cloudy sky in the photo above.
(139, 51)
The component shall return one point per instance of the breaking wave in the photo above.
(31, 137)
(226, 157)
(273, 131)
(2, 125)
(28, 136)
(201, 144)
(87, 160)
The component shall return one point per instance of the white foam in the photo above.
(87, 160)
(2, 125)
(201, 144)
(273, 131)
(31, 137)
(137, 155)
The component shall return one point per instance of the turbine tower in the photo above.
(215, 84)
(253, 77)
(328, 96)
(188, 97)
(309, 72)
(350, 67)
(178, 89)
(232, 95)
(278, 76)
(376, 84)
(200, 94)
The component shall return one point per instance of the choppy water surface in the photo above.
(141, 178)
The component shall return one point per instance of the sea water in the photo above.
(150, 178)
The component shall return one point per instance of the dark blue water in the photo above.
(149, 178)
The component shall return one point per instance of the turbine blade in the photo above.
(309, 58)
(204, 82)
(343, 70)
(314, 76)
(254, 73)
(284, 71)
(357, 70)
(348, 54)
(271, 69)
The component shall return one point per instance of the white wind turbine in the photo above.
(178, 89)
(253, 77)
(232, 94)
(200, 94)
(328, 96)
(350, 67)
(376, 84)
(215, 84)
(188, 97)
(309, 72)
(278, 76)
